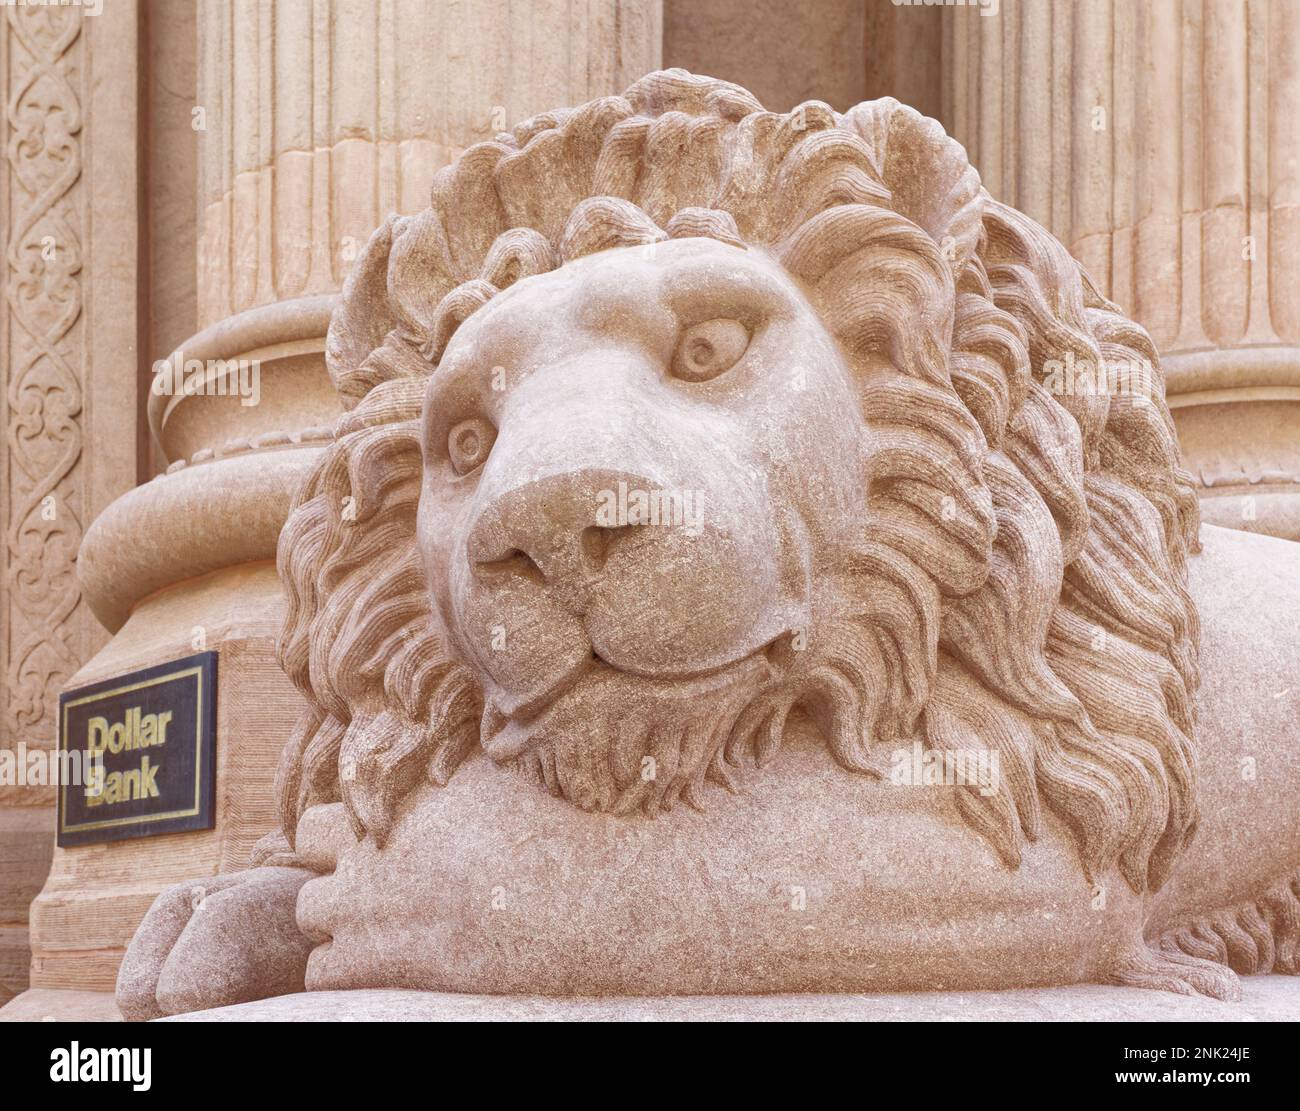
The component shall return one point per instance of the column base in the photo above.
(26, 846)
(61, 1005)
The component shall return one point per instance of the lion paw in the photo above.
(1161, 970)
(215, 941)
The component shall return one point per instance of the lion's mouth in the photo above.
(509, 730)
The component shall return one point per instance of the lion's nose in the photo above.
(558, 531)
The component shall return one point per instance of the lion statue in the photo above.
(713, 466)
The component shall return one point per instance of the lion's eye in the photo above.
(470, 443)
(706, 350)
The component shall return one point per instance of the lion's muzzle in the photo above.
(607, 523)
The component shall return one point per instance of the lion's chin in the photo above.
(615, 741)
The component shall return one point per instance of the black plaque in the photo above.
(154, 732)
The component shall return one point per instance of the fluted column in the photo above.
(323, 116)
(1160, 142)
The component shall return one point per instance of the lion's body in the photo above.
(810, 879)
(1247, 588)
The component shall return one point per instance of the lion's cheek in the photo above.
(518, 636)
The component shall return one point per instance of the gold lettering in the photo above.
(138, 783)
(95, 785)
(136, 730)
(148, 784)
(98, 730)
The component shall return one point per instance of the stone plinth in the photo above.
(53, 1005)
(96, 894)
(26, 841)
(1267, 998)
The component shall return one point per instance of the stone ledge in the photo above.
(1267, 999)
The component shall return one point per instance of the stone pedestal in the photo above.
(26, 841)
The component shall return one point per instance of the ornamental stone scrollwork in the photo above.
(43, 388)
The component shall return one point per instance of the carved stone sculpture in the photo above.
(729, 578)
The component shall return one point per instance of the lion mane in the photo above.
(1021, 582)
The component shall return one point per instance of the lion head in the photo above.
(671, 416)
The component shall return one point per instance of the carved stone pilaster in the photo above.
(41, 639)
(44, 502)
(67, 356)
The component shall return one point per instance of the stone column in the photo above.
(323, 116)
(1159, 141)
(784, 54)
(313, 119)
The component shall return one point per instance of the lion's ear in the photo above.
(363, 316)
(929, 177)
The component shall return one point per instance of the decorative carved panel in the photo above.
(44, 375)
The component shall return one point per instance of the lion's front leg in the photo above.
(215, 941)
(232, 938)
